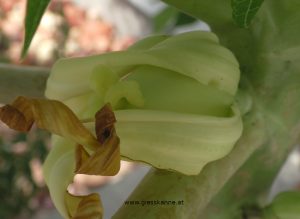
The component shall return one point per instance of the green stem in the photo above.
(21, 80)
(273, 74)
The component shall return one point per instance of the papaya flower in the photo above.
(170, 99)
(173, 98)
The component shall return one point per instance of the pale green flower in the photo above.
(173, 98)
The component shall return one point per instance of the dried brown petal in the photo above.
(18, 115)
(105, 120)
(106, 159)
(50, 115)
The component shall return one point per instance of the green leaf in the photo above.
(243, 11)
(34, 12)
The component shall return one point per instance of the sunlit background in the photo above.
(80, 28)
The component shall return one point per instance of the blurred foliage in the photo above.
(21, 194)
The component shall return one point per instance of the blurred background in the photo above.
(79, 28)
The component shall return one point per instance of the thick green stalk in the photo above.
(274, 74)
(21, 80)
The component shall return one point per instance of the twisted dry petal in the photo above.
(98, 156)
(18, 115)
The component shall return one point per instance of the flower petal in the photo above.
(204, 60)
